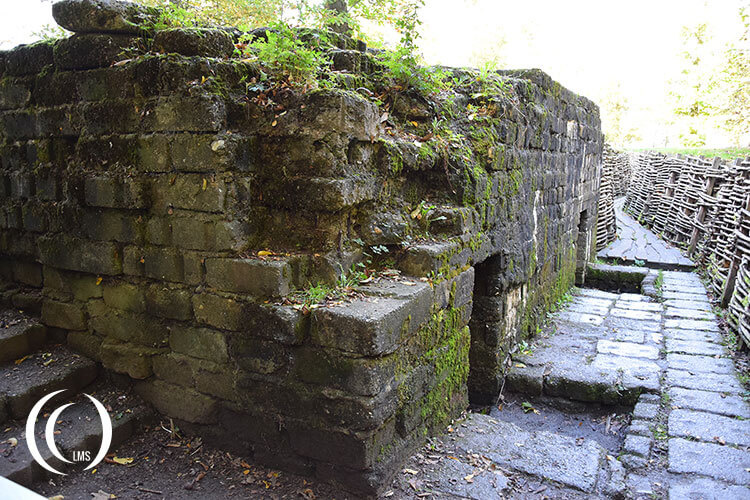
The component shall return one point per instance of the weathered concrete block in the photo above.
(75, 254)
(256, 277)
(178, 402)
(87, 51)
(115, 193)
(172, 303)
(13, 96)
(86, 343)
(203, 42)
(188, 114)
(202, 343)
(153, 262)
(62, 315)
(103, 16)
(131, 359)
(220, 312)
(28, 59)
(189, 192)
(126, 326)
(124, 296)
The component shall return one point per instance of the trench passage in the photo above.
(621, 393)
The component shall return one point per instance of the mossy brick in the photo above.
(337, 446)
(369, 326)
(113, 192)
(21, 185)
(320, 194)
(29, 59)
(203, 343)
(208, 152)
(323, 112)
(21, 124)
(189, 192)
(124, 296)
(193, 233)
(188, 114)
(88, 51)
(159, 231)
(204, 42)
(114, 116)
(133, 360)
(13, 95)
(283, 324)
(331, 368)
(153, 153)
(28, 273)
(69, 316)
(193, 266)
(126, 326)
(216, 380)
(61, 121)
(260, 278)
(81, 286)
(75, 254)
(35, 217)
(169, 302)
(103, 16)
(178, 402)
(219, 312)
(110, 225)
(258, 355)
(87, 343)
(154, 262)
(231, 235)
(174, 368)
(47, 187)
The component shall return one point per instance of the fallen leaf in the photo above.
(273, 124)
(469, 478)
(12, 442)
(123, 461)
(410, 471)
(264, 253)
(205, 184)
(99, 280)
(21, 360)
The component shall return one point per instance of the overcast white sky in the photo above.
(589, 46)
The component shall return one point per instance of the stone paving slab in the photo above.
(693, 297)
(693, 363)
(709, 427)
(688, 304)
(543, 454)
(713, 402)
(695, 347)
(636, 243)
(636, 314)
(638, 305)
(692, 324)
(722, 383)
(693, 335)
(707, 489)
(708, 459)
(628, 349)
(674, 312)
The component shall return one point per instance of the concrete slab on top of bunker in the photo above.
(637, 245)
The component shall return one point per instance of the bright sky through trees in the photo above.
(626, 56)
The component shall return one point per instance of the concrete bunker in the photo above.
(165, 222)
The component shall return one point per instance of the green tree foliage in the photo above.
(735, 77)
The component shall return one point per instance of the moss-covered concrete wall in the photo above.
(162, 210)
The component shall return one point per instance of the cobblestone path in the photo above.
(625, 395)
(636, 243)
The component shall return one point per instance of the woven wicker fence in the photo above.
(703, 206)
(615, 178)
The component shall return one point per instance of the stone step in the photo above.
(19, 335)
(77, 429)
(24, 381)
